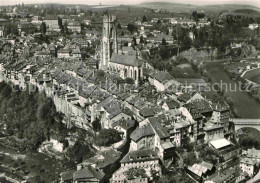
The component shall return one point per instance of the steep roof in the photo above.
(140, 155)
(125, 124)
(158, 128)
(162, 76)
(68, 175)
(128, 60)
(172, 104)
(146, 112)
(142, 132)
(87, 173)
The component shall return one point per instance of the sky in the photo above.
(118, 2)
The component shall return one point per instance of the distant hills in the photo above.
(179, 8)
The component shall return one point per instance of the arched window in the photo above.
(135, 76)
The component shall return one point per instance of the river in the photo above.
(245, 106)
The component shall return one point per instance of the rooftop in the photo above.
(140, 155)
(141, 132)
(220, 143)
(87, 173)
(128, 60)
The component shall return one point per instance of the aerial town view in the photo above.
(143, 91)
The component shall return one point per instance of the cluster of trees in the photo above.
(196, 16)
(30, 115)
(11, 28)
(107, 137)
(174, 176)
(248, 140)
(131, 28)
(81, 150)
(209, 154)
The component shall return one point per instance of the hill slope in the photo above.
(178, 7)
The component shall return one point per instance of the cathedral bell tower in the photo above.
(109, 39)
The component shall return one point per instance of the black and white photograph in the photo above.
(140, 91)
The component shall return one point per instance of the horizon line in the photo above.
(124, 4)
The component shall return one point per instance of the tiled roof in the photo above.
(140, 155)
(184, 97)
(142, 132)
(51, 17)
(172, 104)
(68, 175)
(146, 112)
(158, 128)
(125, 124)
(167, 145)
(162, 76)
(128, 60)
(222, 176)
(87, 173)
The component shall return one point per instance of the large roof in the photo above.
(162, 76)
(125, 124)
(87, 173)
(158, 128)
(128, 60)
(142, 132)
(140, 155)
(68, 175)
(220, 143)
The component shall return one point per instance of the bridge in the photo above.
(242, 123)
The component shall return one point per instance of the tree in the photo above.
(164, 42)
(131, 28)
(190, 159)
(186, 144)
(119, 26)
(43, 28)
(129, 81)
(78, 151)
(60, 22)
(11, 28)
(134, 41)
(195, 16)
(144, 19)
(107, 137)
(65, 28)
(96, 125)
(142, 40)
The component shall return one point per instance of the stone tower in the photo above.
(109, 39)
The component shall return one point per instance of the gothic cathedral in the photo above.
(109, 39)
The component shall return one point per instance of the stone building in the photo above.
(109, 39)
(126, 66)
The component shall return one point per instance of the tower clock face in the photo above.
(105, 39)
